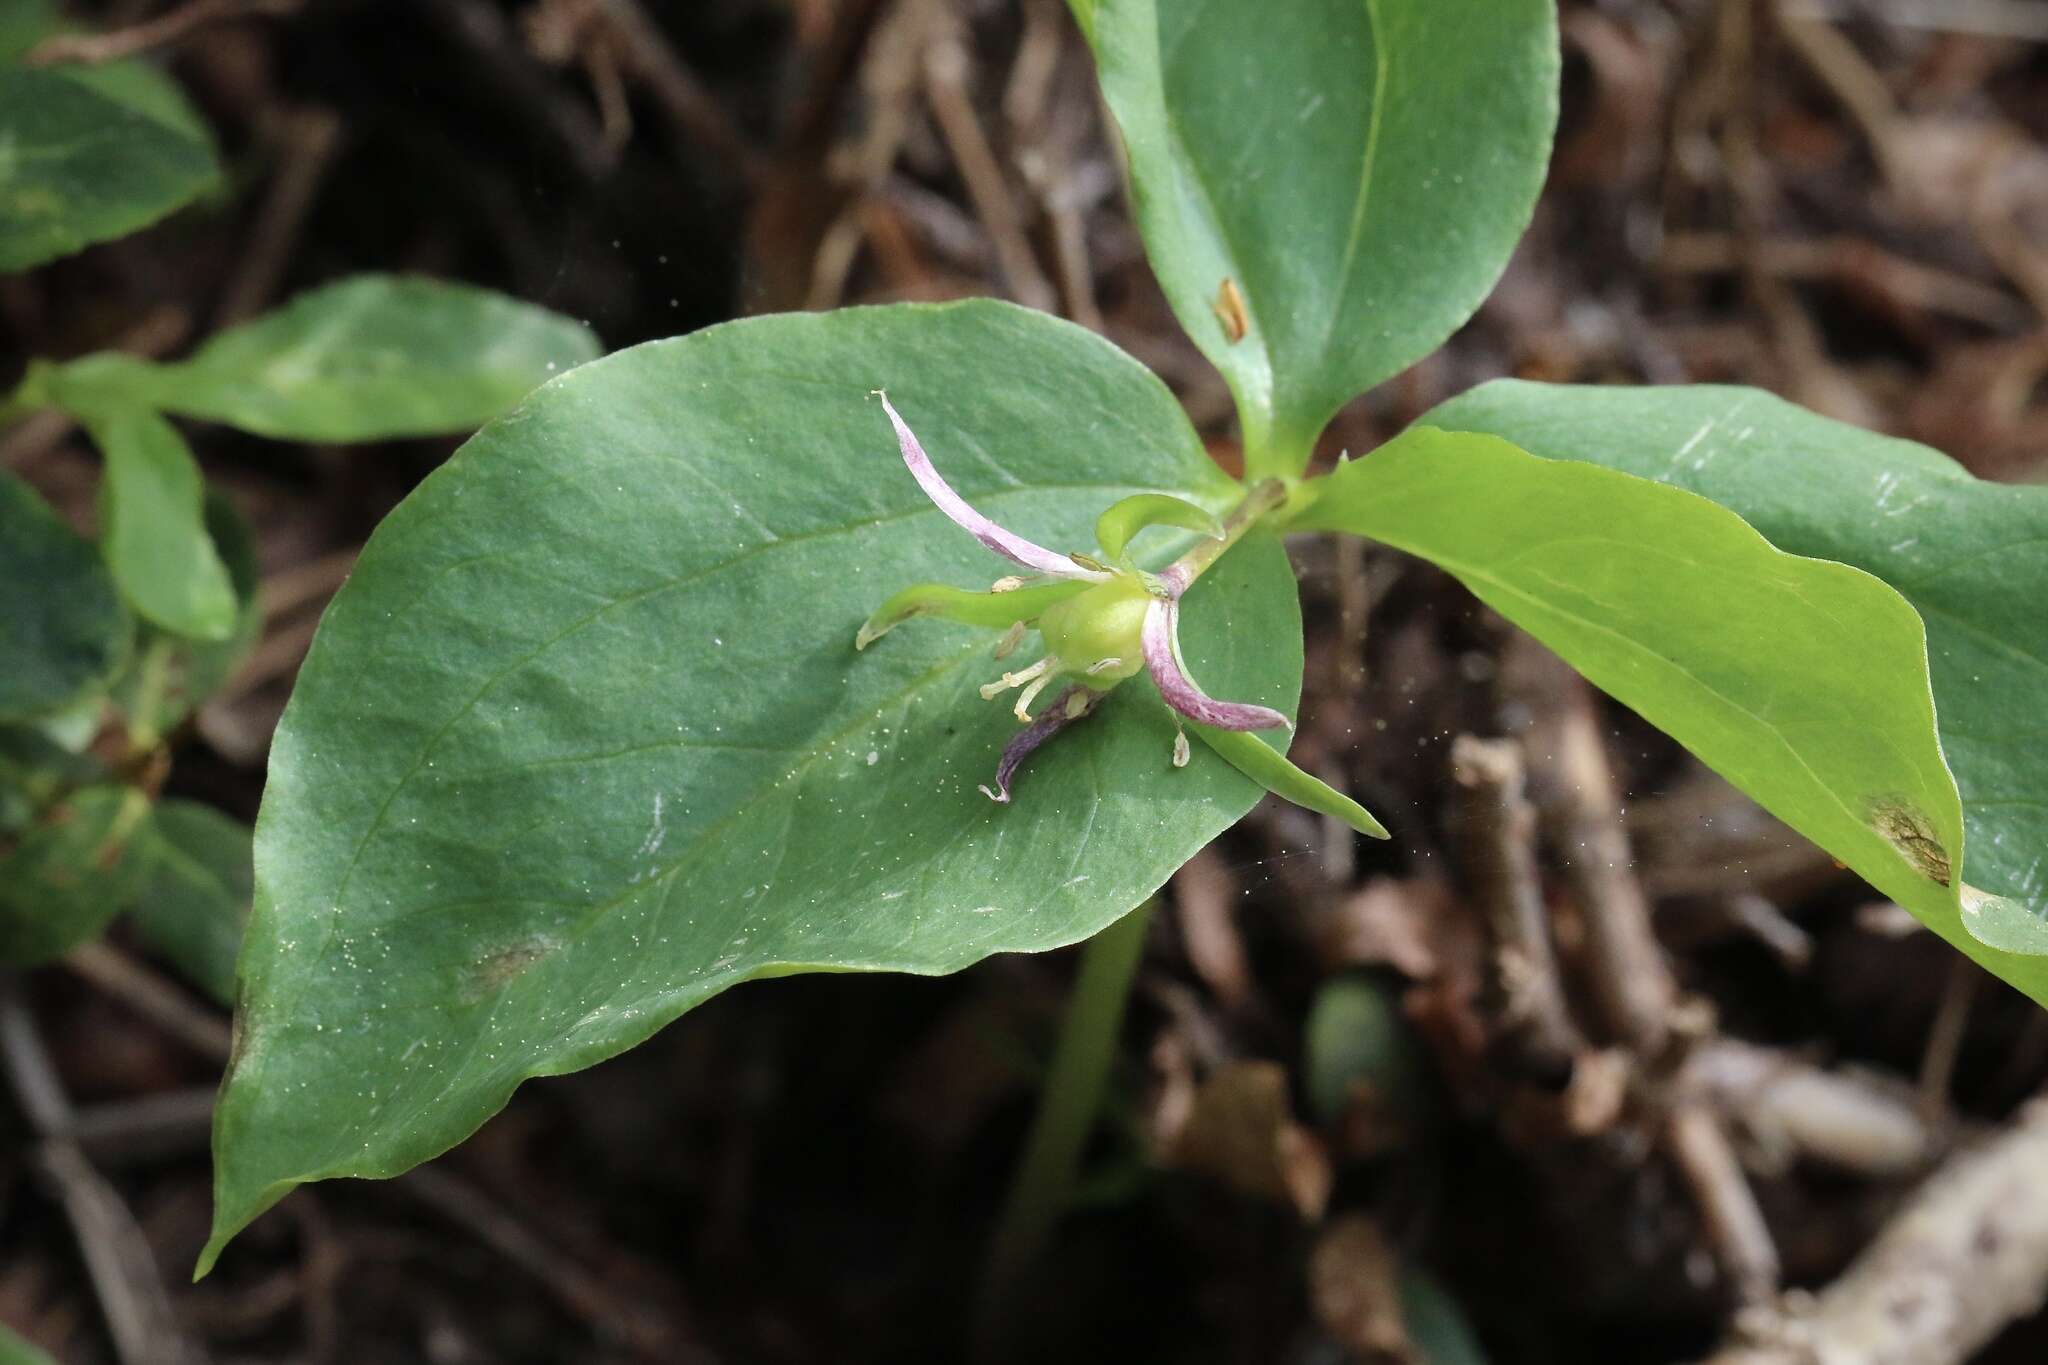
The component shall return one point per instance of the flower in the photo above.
(1101, 622)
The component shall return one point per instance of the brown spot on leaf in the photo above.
(1230, 310)
(499, 969)
(1906, 828)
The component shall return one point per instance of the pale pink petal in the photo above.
(1010, 546)
(1162, 659)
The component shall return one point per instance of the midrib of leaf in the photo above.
(1340, 290)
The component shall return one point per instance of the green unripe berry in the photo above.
(1105, 622)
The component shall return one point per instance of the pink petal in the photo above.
(1010, 546)
(1050, 722)
(1162, 659)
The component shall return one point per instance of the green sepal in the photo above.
(993, 609)
(1269, 768)
(1117, 526)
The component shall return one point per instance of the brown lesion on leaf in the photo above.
(497, 970)
(1230, 310)
(1906, 828)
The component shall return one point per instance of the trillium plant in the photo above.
(626, 705)
(1103, 623)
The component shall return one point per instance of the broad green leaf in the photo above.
(1327, 188)
(63, 630)
(65, 878)
(24, 23)
(80, 165)
(369, 358)
(1802, 681)
(19, 1350)
(153, 524)
(1971, 556)
(170, 675)
(585, 740)
(137, 84)
(195, 889)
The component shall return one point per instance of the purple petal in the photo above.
(1050, 722)
(1162, 658)
(1008, 545)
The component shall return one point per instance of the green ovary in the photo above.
(1105, 622)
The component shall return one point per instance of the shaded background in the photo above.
(1846, 203)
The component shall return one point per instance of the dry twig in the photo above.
(158, 32)
(1497, 832)
(117, 1257)
(1967, 1255)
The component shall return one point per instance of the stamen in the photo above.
(1008, 583)
(1180, 749)
(1104, 665)
(1029, 695)
(1079, 701)
(990, 691)
(1012, 637)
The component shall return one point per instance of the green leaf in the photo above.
(1802, 681)
(16, 1349)
(195, 890)
(70, 874)
(171, 675)
(80, 165)
(370, 358)
(1259, 757)
(1336, 184)
(63, 630)
(585, 740)
(136, 84)
(1116, 527)
(24, 23)
(1357, 1043)
(153, 524)
(1971, 556)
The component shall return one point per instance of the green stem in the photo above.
(152, 680)
(1068, 1105)
(1260, 499)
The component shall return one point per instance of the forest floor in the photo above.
(1845, 202)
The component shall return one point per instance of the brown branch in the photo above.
(1967, 1255)
(1699, 1147)
(161, 31)
(645, 54)
(1497, 834)
(117, 1257)
(945, 84)
(1788, 1106)
(306, 143)
(1581, 817)
(152, 996)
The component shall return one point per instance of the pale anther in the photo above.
(1029, 695)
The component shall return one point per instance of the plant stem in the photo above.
(1263, 497)
(1068, 1105)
